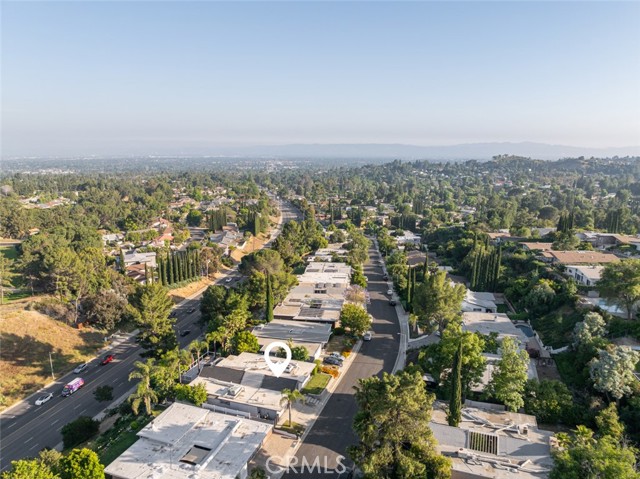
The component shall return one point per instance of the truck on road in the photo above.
(72, 387)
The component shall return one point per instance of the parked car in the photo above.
(107, 359)
(82, 367)
(185, 332)
(333, 361)
(228, 280)
(367, 336)
(385, 277)
(338, 356)
(173, 314)
(389, 292)
(43, 399)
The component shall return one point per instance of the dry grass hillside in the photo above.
(26, 338)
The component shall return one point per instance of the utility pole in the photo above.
(51, 363)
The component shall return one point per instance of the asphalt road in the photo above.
(27, 428)
(332, 432)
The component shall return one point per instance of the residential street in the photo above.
(330, 436)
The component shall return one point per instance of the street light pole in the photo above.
(51, 363)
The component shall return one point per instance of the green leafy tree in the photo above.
(194, 394)
(103, 393)
(620, 284)
(437, 301)
(289, 397)
(549, 401)
(355, 318)
(29, 469)
(585, 455)
(509, 378)
(392, 423)
(299, 353)
(612, 371)
(6, 273)
(81, 464)
(105, 309)
(593, 326)
(79, 431)
(157, 330)
(244, 342)
(438, 358)
(455, 400)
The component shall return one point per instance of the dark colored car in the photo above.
(333, 361)
(392, 302)
(185, 332)
(385, 277)
(107, 359)
(190, 310)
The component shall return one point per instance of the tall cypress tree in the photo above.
(164, 272)
(176, 267)
(160, 278)
(122, 267)
(455, 401)
(269, 301)
(409, 279)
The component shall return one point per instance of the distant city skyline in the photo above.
(165, 78)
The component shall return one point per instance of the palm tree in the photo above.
(289, 397)
(197, 347)
(220, 335)
(144, 393)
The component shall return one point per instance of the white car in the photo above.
(390, 292)
(43, 399)
(367, 336)
(228, 280)
(82, 367)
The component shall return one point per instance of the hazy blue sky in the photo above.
(164, 77)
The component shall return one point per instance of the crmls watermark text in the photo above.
(319, 465)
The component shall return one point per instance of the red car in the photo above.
(107, 359)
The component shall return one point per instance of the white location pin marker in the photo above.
(277, 368)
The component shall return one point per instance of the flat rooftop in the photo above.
(187, 441)
(493, 444)
(486, 323)
(580, 257)
(253, 396)
(256, 365)
(297, 331)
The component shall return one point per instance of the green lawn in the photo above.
(317, 384)
(120, 444)
(502, 308)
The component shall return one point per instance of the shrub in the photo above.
(331, 370)
(78, 431)
(134, 425)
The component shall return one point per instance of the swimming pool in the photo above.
(525, 329)
(610, 308)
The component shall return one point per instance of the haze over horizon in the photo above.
(165, 78)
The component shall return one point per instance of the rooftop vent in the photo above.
(482, 442)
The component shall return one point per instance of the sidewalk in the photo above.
(280, 448)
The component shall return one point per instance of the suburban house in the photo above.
(408, 237)
(487, 323)
(492, 443)
(244, 384)
(479, 302)
(578, 257)
(134, 257)
(536, 246)
(586, 275)
(186, 442)
(313, 336)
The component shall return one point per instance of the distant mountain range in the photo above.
(477, 151)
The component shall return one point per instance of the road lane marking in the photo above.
(55, 421)
(33, 447)
(11, 425)
(82, 411)
(27, 440)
